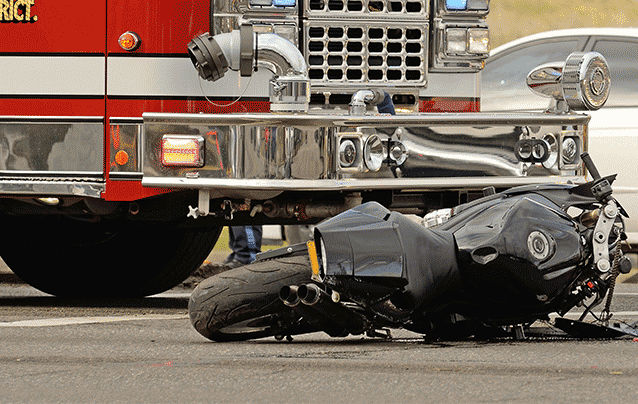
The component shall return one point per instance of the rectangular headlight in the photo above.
(182, 151)
(456, 40)
(478, 5)
(479, 40)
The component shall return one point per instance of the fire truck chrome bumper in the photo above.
(49, 187)
(274, 153)
(406, 184)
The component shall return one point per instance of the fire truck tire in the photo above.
(73, 258)
(243, 303)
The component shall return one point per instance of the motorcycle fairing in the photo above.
(498, 243)
(371, 244)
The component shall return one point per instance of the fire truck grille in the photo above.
(352, 54)
(368, 7)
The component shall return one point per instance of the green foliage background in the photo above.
(511, 19)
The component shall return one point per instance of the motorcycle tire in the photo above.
(243, 303)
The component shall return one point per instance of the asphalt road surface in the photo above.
(145, 351)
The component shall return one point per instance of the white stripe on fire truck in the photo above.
(176, 76)
(53, 75)
(459, 85)
(65, 76)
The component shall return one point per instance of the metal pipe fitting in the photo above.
(362, 98)
(240, 49)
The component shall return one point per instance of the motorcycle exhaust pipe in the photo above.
(319, 301)
(288, 295)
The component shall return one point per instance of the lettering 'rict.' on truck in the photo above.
(132, 131)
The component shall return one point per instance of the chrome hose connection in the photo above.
(242, 50)
(362, 98)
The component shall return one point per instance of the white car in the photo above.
(613, 130)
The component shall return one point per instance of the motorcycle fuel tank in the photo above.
(523, 251)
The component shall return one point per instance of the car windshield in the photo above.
(503, 79)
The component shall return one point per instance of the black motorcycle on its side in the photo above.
(491, 267)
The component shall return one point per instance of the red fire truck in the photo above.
(132, 131)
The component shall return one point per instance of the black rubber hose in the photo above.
(386, 106)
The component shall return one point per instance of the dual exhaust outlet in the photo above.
(318, 309)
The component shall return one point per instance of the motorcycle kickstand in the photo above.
(383, 333)
(518, 332)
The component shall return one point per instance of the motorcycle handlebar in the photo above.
(591, 167)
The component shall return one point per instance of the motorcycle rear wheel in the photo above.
(243, 303)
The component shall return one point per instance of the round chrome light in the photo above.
(586, 81)
(347, 153)
(540, 150)
(374, 153)
(398, 153)
(525, 150)
(569, 150)
(553, 150)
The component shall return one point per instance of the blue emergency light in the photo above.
(456, 4)
(284, 3)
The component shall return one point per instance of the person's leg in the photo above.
(245, 242)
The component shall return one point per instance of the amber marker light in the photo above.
(121, 157)
(129, 41)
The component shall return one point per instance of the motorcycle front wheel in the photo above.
(243, 303)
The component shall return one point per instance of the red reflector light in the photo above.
(182, 151)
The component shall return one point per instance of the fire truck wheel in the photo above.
(82, 258)
(243, 303)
